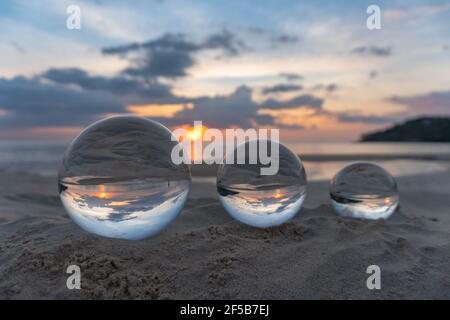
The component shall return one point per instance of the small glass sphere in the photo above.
(262, 200)
(364, 190)
(117, 178)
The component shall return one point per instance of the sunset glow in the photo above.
(158, 110)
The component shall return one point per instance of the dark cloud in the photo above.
(117, 84)
(373, 74)
(283, 87)
(71, 97)
(373, 51)
(297, 102)
(172, 55)
(239, 109)
(169, 56)
(225, 41)
(38, 102)
(31, 102)
(166, 42)
(291, 76)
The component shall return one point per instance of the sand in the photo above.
(204, 254)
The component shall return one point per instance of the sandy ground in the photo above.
(205, 254)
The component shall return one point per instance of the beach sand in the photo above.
(205, 254)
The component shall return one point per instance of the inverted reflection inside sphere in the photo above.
(117, 178)
(364, 190)
(262, 200)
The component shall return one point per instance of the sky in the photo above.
(309, 68)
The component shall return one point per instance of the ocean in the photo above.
(321, 160)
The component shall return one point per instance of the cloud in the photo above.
(372, 51)
(433, 103)
(373, 74)
(171, 55)
(31, 102)
(429, 103)
(118, 84)
(61, 97)
(283, 87)
(72, 97)
(291, 76)
(274, 38)
(296, 102)
(285, 39)
(226, 41)
(331, 87)
(239, 109)
(357, 117)
(236, 109)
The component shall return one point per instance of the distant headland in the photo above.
(426, 129)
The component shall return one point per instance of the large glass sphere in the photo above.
(117, 179)
(262, 200)
(364, 190)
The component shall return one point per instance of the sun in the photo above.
(103, 195)
(193, 135)
(196, 133)
(277, 195)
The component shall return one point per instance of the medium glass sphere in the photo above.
(262, 200)
(364, 190)
(117, 179)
